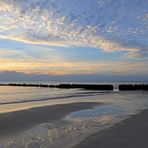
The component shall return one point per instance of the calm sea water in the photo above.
(115, 107)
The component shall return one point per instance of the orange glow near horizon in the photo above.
(62, 67)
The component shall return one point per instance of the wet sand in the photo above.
(131, 133)
(18, 121)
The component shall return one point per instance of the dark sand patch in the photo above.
(14, 122)
(131, 133)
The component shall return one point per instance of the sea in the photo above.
(115, 107)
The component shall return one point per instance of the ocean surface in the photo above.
(116, 106)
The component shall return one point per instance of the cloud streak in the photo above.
(105, 24)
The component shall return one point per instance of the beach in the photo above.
(131, 133)
(15, 122)
(73, 74)
(70, 118)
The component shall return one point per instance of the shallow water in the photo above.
(115, 107)
(12, 95)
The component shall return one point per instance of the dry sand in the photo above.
(131, 133)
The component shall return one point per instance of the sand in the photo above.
(18, 121)
(131, 133)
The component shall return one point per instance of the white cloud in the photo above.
(105, 24)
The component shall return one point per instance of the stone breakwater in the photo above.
(64, 86)
(122, 87)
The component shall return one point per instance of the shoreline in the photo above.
(18, 121)
(129, 133)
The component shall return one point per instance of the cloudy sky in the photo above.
(74, 37)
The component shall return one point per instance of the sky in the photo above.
(74, 38)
